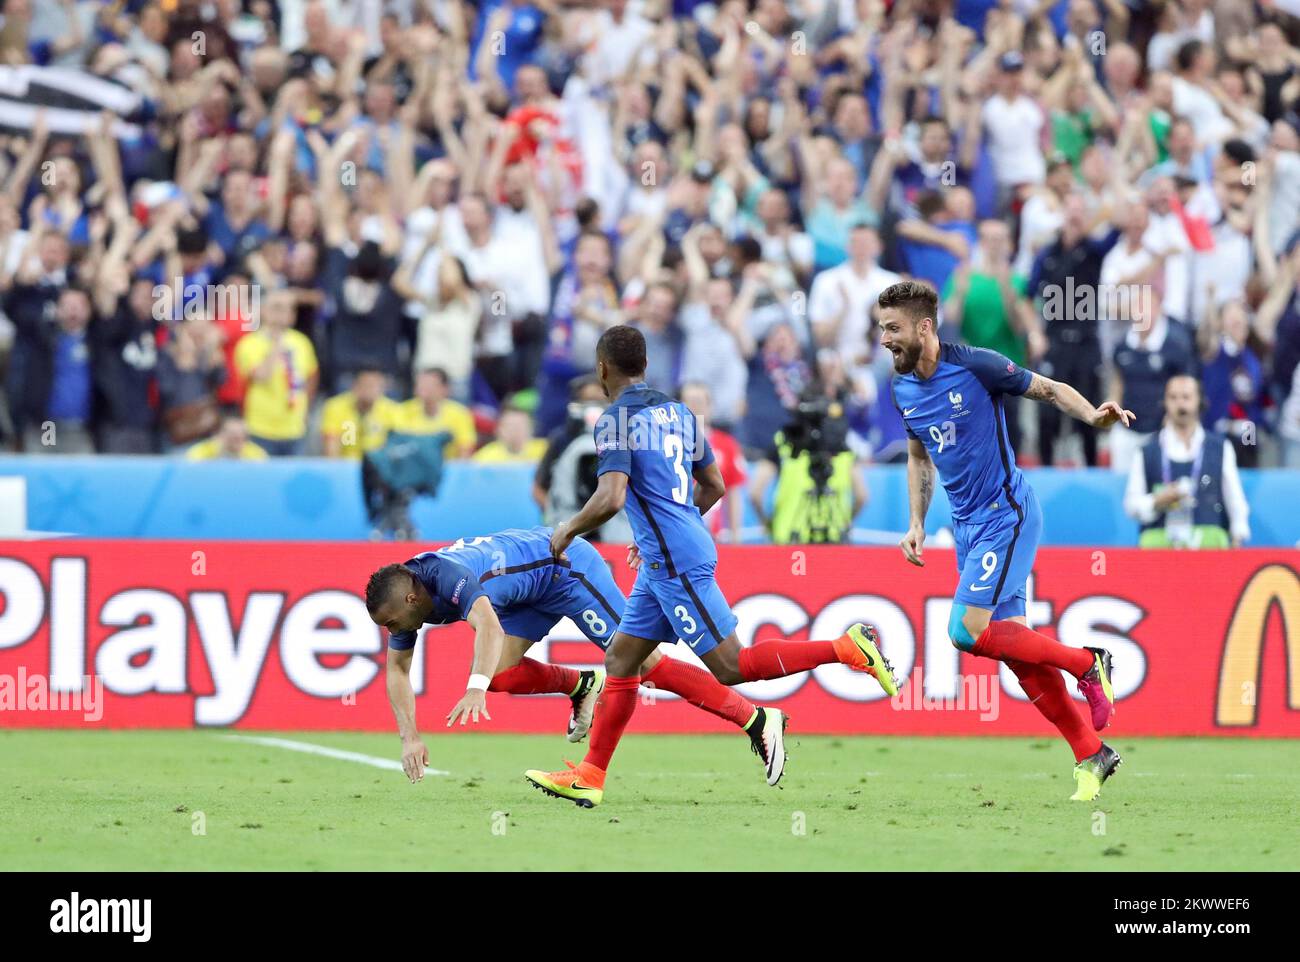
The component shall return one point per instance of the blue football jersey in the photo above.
(453, 588)
(511, 568)
(957, 414)
(654, 440)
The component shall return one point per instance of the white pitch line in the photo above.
(310, 749)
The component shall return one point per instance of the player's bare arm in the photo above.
(489, 642)
(1067, 399)
(607, 501)
(921, 479)
(709, 487)
(415, 756)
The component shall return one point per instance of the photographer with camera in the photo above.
(566, 475)
(819, 490)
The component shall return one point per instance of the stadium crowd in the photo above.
(278, 227)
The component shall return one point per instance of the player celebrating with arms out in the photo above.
(651, 457)
(949, 396)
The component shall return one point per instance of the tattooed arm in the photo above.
(1067, 399)
(921, 479)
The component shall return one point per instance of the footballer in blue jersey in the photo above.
(653, 459)
(950, 399)
(513, 591)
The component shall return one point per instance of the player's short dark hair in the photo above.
(383, 583)
(1238, 151)
(748, 251)
(623, 348)
(1200, 388)
(929, 203)
(1188, 53)
(439, 373)
(191, 240)
(916, 298)
(585, 212)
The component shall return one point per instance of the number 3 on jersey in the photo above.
(673, 451)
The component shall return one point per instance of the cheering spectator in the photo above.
(514, 441)
(279, 366)
(843, 299)
(1154, 350)
(941, 237)
(1066, 280)
(432, 410)
(1013, 123)
(656, 318)
(448, 321)
(190, 369)
(359, 419)
(1233, 378)
(711, 356)
(231, 442)
(988, 302)
(724, 518)
(586, 303)
(778, 375)
(484, 189)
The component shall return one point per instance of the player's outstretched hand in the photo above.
(560, 541)
(469, 707)
(912, 545)
(1110, 413)
(634, 557)
(415, 759)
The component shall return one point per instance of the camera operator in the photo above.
(566, 475)
(818, 489)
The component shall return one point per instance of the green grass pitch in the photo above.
(72, 800)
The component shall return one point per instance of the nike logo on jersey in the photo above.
(981, 587)
(908, 412)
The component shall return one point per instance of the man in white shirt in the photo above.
(1127, 268)
(1013, 126)
(511, 279)
(1165, 235)
(712, 355)
(1043, 214)
(1192, 98)
(613, 38)
(437, 187)
(790, 250)
(645, 196)
(843, 297)
(1193, 498)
